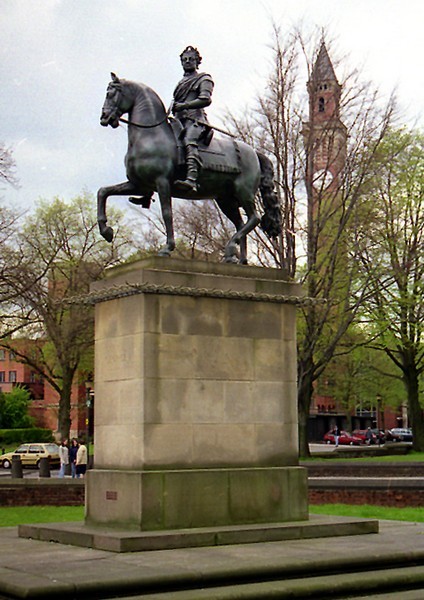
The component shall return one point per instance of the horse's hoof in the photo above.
(164, 252)
(107, 232)
(231, 260)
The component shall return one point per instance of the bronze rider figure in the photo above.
(191, 96)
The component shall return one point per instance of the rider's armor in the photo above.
(195, 88)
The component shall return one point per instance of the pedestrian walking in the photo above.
(64, 457)
(368, 436)
(73, 457)
(336, 432)
(81, 460)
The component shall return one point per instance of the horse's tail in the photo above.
(271, 221)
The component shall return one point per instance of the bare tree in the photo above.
(392, 259)
(322, 167)
(202, 230)
(274, 125)
(7, 166)
(8, 227)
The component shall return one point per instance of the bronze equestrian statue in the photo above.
(177, 158)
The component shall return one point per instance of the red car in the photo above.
(362, 433)
(345, 439)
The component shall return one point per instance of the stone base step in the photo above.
(116, 540)
(345, 586)
(385, 566)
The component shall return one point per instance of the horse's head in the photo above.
(116, 103)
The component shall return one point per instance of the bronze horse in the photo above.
(232, 172)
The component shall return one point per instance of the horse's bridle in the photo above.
(118, 88)
(143, 126)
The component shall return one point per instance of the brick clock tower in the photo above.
(324, 134)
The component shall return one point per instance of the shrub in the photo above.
(14, 408)
(9, 437)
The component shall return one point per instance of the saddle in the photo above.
(216, 155)
(213, 155)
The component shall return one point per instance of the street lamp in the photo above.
(378, 416)
(89, 399)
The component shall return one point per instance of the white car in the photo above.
(398, 434)
(31, 454)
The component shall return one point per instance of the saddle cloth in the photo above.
(220, 155)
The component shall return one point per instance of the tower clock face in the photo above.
(322, 179)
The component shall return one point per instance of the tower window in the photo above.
(321, 104)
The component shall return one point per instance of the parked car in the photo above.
(380, 434)
(345, 439)
(398, 434)
(362, 433)
(31, 454)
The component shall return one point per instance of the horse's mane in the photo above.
(147, 95)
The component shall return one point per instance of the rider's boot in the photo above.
(192, 161)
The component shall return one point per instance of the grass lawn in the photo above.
(16, 515)
(11, 516)
(369, 511)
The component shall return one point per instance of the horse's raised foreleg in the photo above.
(120, 189)
(164, 191)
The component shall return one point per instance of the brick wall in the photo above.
(381, 497)
(66, 492)
(42, 492)
(388, 469)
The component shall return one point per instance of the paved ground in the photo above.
(34, 569)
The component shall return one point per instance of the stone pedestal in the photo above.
(196, 414)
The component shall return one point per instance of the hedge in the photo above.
(21, 436)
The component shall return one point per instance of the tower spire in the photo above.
(323, 68)
(325, 134)
(323, 88)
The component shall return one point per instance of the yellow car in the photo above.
(31, 454)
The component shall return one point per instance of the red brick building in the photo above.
(326, 412)
(44, 398)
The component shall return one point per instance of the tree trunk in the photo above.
(304, 396)
(64, 419)
(411, 381)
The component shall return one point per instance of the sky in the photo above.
(56, 57)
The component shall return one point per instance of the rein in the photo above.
(144, 126)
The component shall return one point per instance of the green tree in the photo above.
(60, 253)
(14, 409)
(392, 261)
(358, 375)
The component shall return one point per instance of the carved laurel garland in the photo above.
(131, 289)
